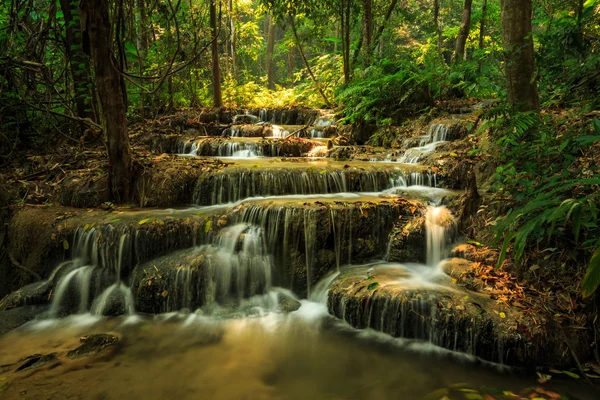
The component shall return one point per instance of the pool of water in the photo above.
(227, 354)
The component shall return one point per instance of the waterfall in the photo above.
(234, 185)
(437, 134)
(437, 222)
(90, 271)
(209, 148)
(319, 151)
(279, 132)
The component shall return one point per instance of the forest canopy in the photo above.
(74, 72)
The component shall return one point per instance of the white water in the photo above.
(437, 221)
(437, 134)
(319, 151)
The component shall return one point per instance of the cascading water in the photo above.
(319, 151)
(279, 132)
(234, 267)
(437, 223)
(88, 274)
(231, 186)
(437, 134)
(220, 149)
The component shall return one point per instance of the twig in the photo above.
(22, 267)
(295, 132)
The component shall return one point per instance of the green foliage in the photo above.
(555, 192)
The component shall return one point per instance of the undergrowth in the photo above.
(549, 171)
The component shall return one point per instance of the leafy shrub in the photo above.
(556, 197)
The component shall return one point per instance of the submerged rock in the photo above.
(92, 345)
(38, 361)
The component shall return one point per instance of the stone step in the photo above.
(404, 302)
(207, 146)
(304, 238)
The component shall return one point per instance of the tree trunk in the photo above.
(438, 27)
(97, 25)
(232, 42)
(291, 64)
(270, 50)
(216, 70)
(367, 32)
(346, 39)
(463, 34)
(482, 31)
(310, 71)
(519, 52)
(79, 64)
(388, 14)
(143, 42)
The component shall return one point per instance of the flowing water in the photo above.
(247, 309)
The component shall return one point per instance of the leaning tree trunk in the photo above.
(96, 24)
(270, 50)
(216, 70)
(79, 64)
(463, 34)
(518, 48)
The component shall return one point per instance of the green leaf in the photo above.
(597, 125)
(571, 374)
(592, 276)
(373, 286)
(507, 240)
(142, 222)
(208, 226)
(65, 244)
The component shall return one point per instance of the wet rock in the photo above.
(87, 191)
(53, 233)
(15, 317)
(35, 293)
(245, 119)
(407, 240)
(288, 304)
(92, 345)
(38, 361)
(389, 299)
(116, 303)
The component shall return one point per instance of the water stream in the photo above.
(246, 310)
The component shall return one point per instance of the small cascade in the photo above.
(437, 134)
(245, 119)
(234, 267)
(231, 186)
(438, 221)
(317, 133)
(279, 132)
(325, 120)
(91, 270)
(208, 148)
(117, 299)
(318, 152)
(319, 293)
